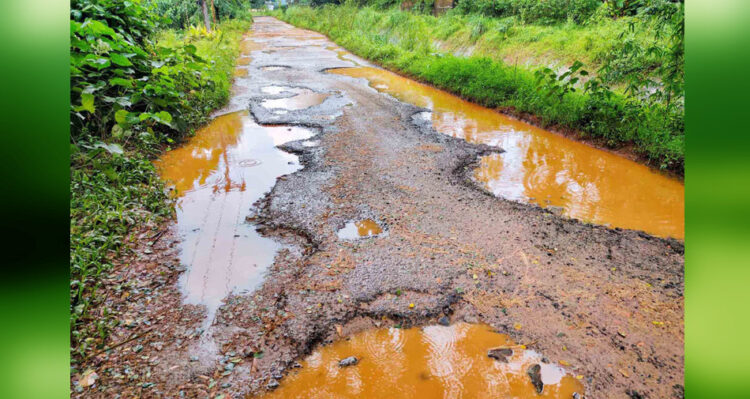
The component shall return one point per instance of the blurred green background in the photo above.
(34, 295)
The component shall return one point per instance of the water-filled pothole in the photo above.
(217, 174)
(354, 230)
(274, 68)
(429, 362)
(275, 89)
(304, 98)
(545, 168)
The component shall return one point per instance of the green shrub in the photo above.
(135, 89)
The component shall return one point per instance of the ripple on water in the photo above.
(432, 362)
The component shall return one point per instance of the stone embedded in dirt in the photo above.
(535, 374)
(444, 321)
(349, 361)
(577, 395)
(500, 354)
(272, 384)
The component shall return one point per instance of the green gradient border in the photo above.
(717, 199)
(35, 103)
(34, 67)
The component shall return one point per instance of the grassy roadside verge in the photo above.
(134, 94)
(406, 42)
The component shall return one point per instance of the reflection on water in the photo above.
(359, 229)
(546, 168)
(217, 175)
(433, 362)
(304, 98)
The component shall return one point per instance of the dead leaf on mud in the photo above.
(339, 330)
(624, 373)
(88, 378)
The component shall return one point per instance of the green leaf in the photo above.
(121, 82)
(112, 148)
(120, 60)
(87, 103)
(121, 117)
(163, 117)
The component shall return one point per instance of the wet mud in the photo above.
(603, 304)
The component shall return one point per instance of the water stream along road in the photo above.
(336, 210)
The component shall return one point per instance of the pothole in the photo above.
(275, 89)
(431, 362)
(227, 165)
(365, 228)
(274, 68)
(304, 98)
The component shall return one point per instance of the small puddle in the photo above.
(217, 175)
(360, 229)
(546, 168)
(275, 89)
(274, 68)
(429, 362)
(304, 98)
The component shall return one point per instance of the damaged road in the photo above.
(605, 303)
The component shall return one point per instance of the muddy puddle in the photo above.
(545, 168)
(429, 362)
(217, 175)
(354, 230)
(303, 98)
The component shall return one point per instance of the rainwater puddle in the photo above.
(546, 168)
(275, 89)
(304, 98)
(360, 229)
(431, 362)
(274, 68)
(217, 175)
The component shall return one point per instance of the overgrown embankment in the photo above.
(136, 89)
(634, 99)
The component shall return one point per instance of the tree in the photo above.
(206, 18)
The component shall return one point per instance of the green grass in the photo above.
(114, 195)
(413, 44)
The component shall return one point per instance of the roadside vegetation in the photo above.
(609, 70)
(140, 83)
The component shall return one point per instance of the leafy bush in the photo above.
(135, 88)
(532, 11)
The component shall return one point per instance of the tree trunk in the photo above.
(206, 18)
(213, 12)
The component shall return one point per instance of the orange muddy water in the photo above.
(545, 168)
(217, 175)
(360, 229)
(431, 362)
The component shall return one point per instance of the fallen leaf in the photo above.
(564, 363)
(88, 378)
(623, 372)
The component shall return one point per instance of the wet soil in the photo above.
(605, 304)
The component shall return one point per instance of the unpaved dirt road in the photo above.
(608, 303)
